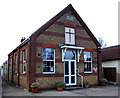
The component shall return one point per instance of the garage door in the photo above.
(110, 74)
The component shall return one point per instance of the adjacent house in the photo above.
(5, 70)
(1, 71)
(63, 49)
(110, 63)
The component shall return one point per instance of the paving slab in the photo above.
(0, 87)
(12, 90)
(109, 90)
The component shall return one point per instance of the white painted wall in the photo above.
(1, 72)
(113, 63)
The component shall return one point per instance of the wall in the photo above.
(51, 38)
(23, 77)
(113, 63)
(119, 71)
(18, 77)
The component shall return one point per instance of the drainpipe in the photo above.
(99, 62)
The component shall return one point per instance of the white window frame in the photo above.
(16, 63)
(69, 32)
(11, 65)
(50, 60)
(90, 62)
(24, 62)
(5, 65)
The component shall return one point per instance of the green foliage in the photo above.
(86, 82)
(35, 85)
(103, 80)
(60, 84)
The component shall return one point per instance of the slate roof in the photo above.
(111, 53)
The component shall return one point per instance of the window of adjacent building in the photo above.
(10, 64)
(87, 62)
(69, 35)
(4, 68)
(48, 60)
(23, 58)
(15, 63)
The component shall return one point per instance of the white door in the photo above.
(70, 68)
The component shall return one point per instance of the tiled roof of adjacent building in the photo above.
(111, 53)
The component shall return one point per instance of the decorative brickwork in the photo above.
(51, 35)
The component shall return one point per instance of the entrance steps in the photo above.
(72, 87)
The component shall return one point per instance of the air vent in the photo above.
(70, 18)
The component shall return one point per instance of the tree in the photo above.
(101, 41)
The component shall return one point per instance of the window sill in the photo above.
(48, 73)
(88, 72)
(15, 72)
(23, 73)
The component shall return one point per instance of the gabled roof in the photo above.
(111, 53)
(54, 19)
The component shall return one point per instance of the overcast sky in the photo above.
(20, 18)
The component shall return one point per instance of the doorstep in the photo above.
(72, 88)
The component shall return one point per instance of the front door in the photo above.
(70, 68)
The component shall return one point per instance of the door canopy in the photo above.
(65, 47)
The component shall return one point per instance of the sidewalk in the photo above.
(0, 87)
(12, 90)
(109, 90)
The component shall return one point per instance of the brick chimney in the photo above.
(23, 38)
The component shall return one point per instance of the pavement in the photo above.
(12, 90)
(0, 87)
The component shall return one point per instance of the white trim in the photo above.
(91, 64)
(11, 65)
(87, 71)
(78, 55)
(16, 63)
(69, 62)
(72, 47)
(50, 60)
(24, 62)
(65, 47)
(70, 35)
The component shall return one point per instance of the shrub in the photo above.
(86, 82)
(35, 85)
(103, 80)
(60, 84)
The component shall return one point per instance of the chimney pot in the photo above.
(23, 38)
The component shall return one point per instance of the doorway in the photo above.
(70, 68)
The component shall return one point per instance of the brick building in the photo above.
(5, 70)
(59, 50)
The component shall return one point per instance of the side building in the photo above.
(111, 63)
(5, 70)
